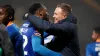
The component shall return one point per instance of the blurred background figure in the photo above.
(93, 49)
(93, 4)
(7, 18)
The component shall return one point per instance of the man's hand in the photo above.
(37, 34)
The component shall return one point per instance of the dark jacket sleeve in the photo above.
(50, 28)
(6, 44)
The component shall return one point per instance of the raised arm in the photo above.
(50, 28)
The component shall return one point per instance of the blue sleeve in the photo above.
(16, 39)
(13, 30)
(88, 50)
(40, 49)
(19, 45)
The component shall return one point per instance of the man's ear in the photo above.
(65, 16)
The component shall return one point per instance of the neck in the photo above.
(98, 40)
(10, 23)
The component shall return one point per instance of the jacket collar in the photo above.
(71, 18)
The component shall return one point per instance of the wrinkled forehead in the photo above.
(60, 10)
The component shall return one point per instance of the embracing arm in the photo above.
(40, 49)
(50, 28)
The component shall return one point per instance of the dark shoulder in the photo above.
(69, 25)
(3, 34)
(3, 31)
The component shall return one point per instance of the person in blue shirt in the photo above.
(32, 38)
(93, 49)
(7, 19)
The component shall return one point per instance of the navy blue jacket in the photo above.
(66, 40)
